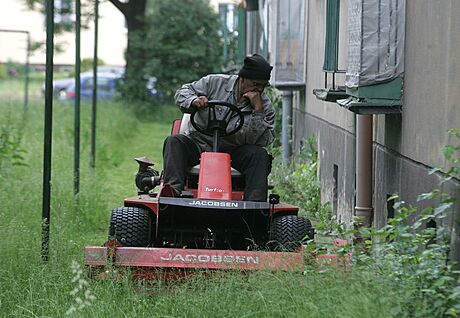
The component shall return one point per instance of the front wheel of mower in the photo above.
(131, 226)
(288, 231)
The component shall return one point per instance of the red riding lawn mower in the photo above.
(209, 226)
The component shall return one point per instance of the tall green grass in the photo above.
(30, 288)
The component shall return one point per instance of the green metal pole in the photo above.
(94, 100)
(225, 37)
(47, 129)
(76, 172)
(223, 10)
(26, 88)
(241, 34)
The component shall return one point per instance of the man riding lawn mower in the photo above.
(211, 210)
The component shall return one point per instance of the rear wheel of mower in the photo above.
(130, 226)
(288, 231)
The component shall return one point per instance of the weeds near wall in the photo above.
(413, 249)
(451, 153)
(299, 184)
(414, 256)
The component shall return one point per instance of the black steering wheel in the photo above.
(216, 124)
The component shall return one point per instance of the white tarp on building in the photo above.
(376, 31)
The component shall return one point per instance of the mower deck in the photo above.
(178, 258)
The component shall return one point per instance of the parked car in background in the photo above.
(60, 86)
(107, 86)
(108, 81)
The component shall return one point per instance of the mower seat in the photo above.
(184, 124)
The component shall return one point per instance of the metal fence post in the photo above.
(48, 129)
(76, 174)
(94, 100)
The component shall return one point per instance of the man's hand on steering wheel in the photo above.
(214, 123)
(200, 102)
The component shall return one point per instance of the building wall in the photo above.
(14, 15)
(406, 146)
(411, 143)
(333, 126)
(431, 80)
(315, 57)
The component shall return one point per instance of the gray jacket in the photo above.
(257, 128)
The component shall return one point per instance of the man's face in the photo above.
(248, 85)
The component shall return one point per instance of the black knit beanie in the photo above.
(256, 68)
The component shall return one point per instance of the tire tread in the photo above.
(131, 226)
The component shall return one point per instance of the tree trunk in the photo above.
(136, 57)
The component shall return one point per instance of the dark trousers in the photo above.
(180, 154)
